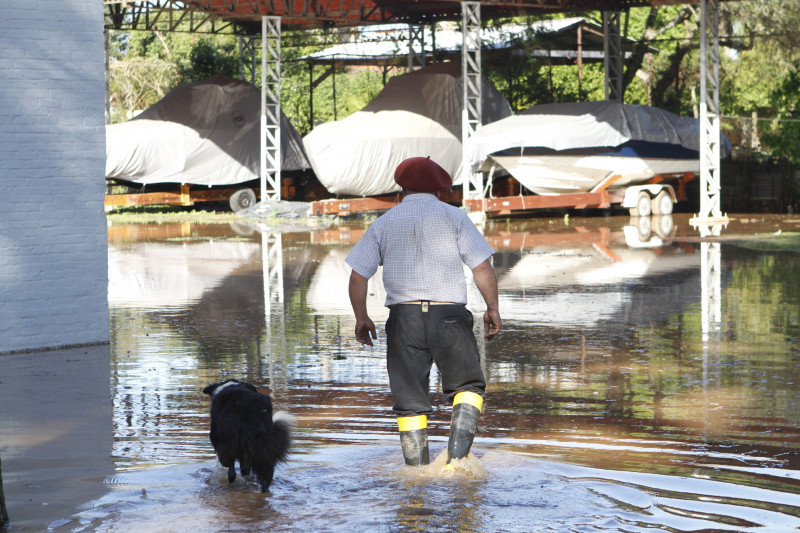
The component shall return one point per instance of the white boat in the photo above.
(416, 114)
(202, 133)
(556, 149)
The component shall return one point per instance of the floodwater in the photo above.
(646, 380)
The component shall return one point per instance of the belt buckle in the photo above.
(425, 304)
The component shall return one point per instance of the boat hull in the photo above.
(576, 173)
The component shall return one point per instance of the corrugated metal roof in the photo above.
(389, 43)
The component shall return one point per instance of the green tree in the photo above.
(145, 65)
(208, 57)
(783, 138)
(137, 83)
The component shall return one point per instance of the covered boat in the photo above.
(555, 149)
(416, 114)
(202, 133)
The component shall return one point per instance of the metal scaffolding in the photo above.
(239, 17)
(270, 108)
(471, 94)
(612, 56)
(416, 41)
(247, 58)
(710, 185)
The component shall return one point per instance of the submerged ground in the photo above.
(645, 381)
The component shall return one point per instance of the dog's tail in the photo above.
(282, 423)
(270, 448)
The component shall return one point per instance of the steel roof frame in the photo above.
(243, 17)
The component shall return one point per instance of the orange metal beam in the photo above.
(507, 204)
(149, 198)
(372, 203)
(599, 198)
(184, 197)
(354, 205)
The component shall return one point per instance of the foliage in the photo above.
(783, 137)
(206, 60)
(144, 66)
(138, 83)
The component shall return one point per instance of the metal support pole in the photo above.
(247, 58)
(270, 108)
(710, 185)
(580, 63)
(434, 55)
(416, 40)
(612, 56)
(471, 95)
(311, 96)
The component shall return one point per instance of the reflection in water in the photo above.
(606, 409)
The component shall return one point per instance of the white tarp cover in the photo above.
(586, 125)
(203, 133)
(416, 114)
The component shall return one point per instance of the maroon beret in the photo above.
(422, 175)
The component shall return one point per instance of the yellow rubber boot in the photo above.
(463, 424)
(414, 439)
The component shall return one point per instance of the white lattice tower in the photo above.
(270, 108)
(247, 58)
(710, 184)
(416, 47)
(612, 56)
(471, 94)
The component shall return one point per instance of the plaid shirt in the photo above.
(421, 244)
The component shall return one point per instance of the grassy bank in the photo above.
(161, 214)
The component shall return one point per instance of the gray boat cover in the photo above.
(585, 125)
(204, 133)
(416, 114)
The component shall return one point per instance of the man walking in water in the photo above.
(421, 244)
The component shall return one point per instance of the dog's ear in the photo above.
(210, 389)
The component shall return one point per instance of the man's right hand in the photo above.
(365, 331)
(491, 324)
(357, 290)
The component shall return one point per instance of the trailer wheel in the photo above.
(242, 199)
(643, 207)
(662, 204)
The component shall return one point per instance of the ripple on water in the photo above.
(367, 488)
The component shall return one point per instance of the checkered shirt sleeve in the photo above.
(421, 245)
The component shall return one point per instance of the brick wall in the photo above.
(53, 245)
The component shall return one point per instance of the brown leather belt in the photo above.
(428, 302)
(425, 303)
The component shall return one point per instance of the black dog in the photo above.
(244, 429)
